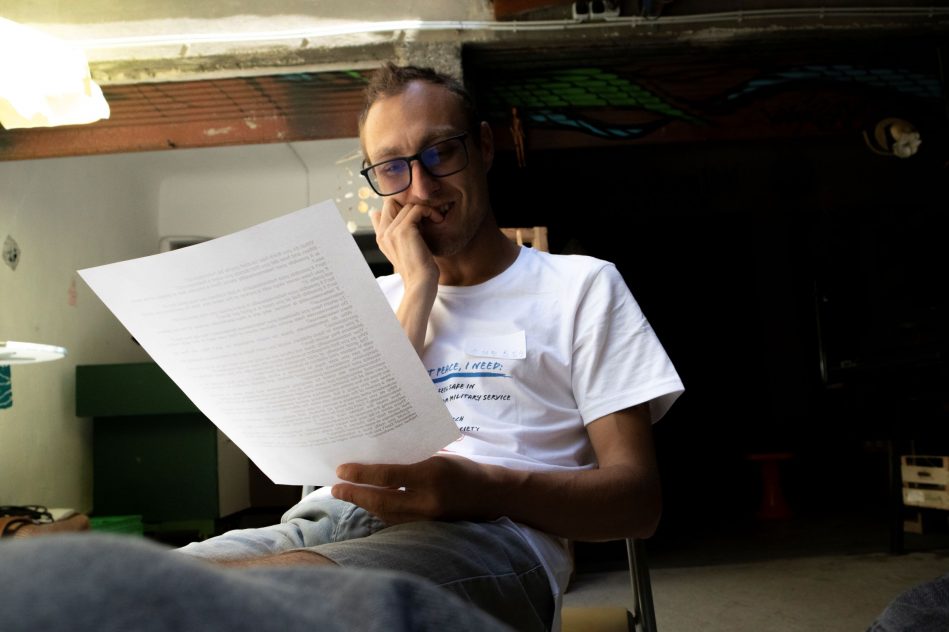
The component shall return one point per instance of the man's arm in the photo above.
(621, 498)
(398, 237)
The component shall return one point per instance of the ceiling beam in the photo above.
(507, 9)
(191, 114)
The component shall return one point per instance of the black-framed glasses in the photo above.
(439, 160)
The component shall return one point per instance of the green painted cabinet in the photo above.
(154, 453)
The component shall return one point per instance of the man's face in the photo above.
(402, 125)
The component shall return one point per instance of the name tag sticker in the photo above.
(510, 346)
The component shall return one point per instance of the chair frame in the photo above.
(643, 615)
(534, 236)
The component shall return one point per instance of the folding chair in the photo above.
(644, 615)
(641, 617)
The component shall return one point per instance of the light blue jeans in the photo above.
(307, 524)
(486, 563)
(120, 583)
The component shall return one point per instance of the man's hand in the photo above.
(620, 498)
(438, 488)
(400, 240)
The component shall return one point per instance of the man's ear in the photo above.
(487, 145)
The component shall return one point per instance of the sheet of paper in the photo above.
(280, 335)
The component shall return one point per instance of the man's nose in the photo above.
(424, 185)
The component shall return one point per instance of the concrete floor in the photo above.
(812, 594)
(825, 574)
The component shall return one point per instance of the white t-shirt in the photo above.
(525, 360)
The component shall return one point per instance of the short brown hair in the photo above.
(392, 80)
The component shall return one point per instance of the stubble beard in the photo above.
(444, 246)
(448, 245)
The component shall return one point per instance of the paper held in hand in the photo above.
(280, 335)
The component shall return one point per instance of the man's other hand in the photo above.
(438, 488)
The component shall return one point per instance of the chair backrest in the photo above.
(535, 236)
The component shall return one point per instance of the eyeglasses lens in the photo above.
(440, 160)
(445, 158)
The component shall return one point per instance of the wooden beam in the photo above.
(253, 110)
(507, 9)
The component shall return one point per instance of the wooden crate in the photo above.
(925, 521)
(925, 481)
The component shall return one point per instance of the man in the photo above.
(546, 363)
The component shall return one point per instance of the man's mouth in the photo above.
(443, 210)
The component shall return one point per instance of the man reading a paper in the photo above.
(548, 366)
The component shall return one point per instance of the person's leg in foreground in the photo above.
(923, 608)
(486, 564)
(119, 583)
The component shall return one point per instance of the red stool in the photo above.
(773, 504)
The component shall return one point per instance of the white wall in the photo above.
(65, 214)
(71, 213)
(216, 191)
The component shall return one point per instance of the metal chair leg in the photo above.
(644, 614)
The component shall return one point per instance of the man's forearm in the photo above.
(413, 314)
(619, 499)
(599, 504)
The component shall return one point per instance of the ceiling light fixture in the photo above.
(45, 81)
(28, 352)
